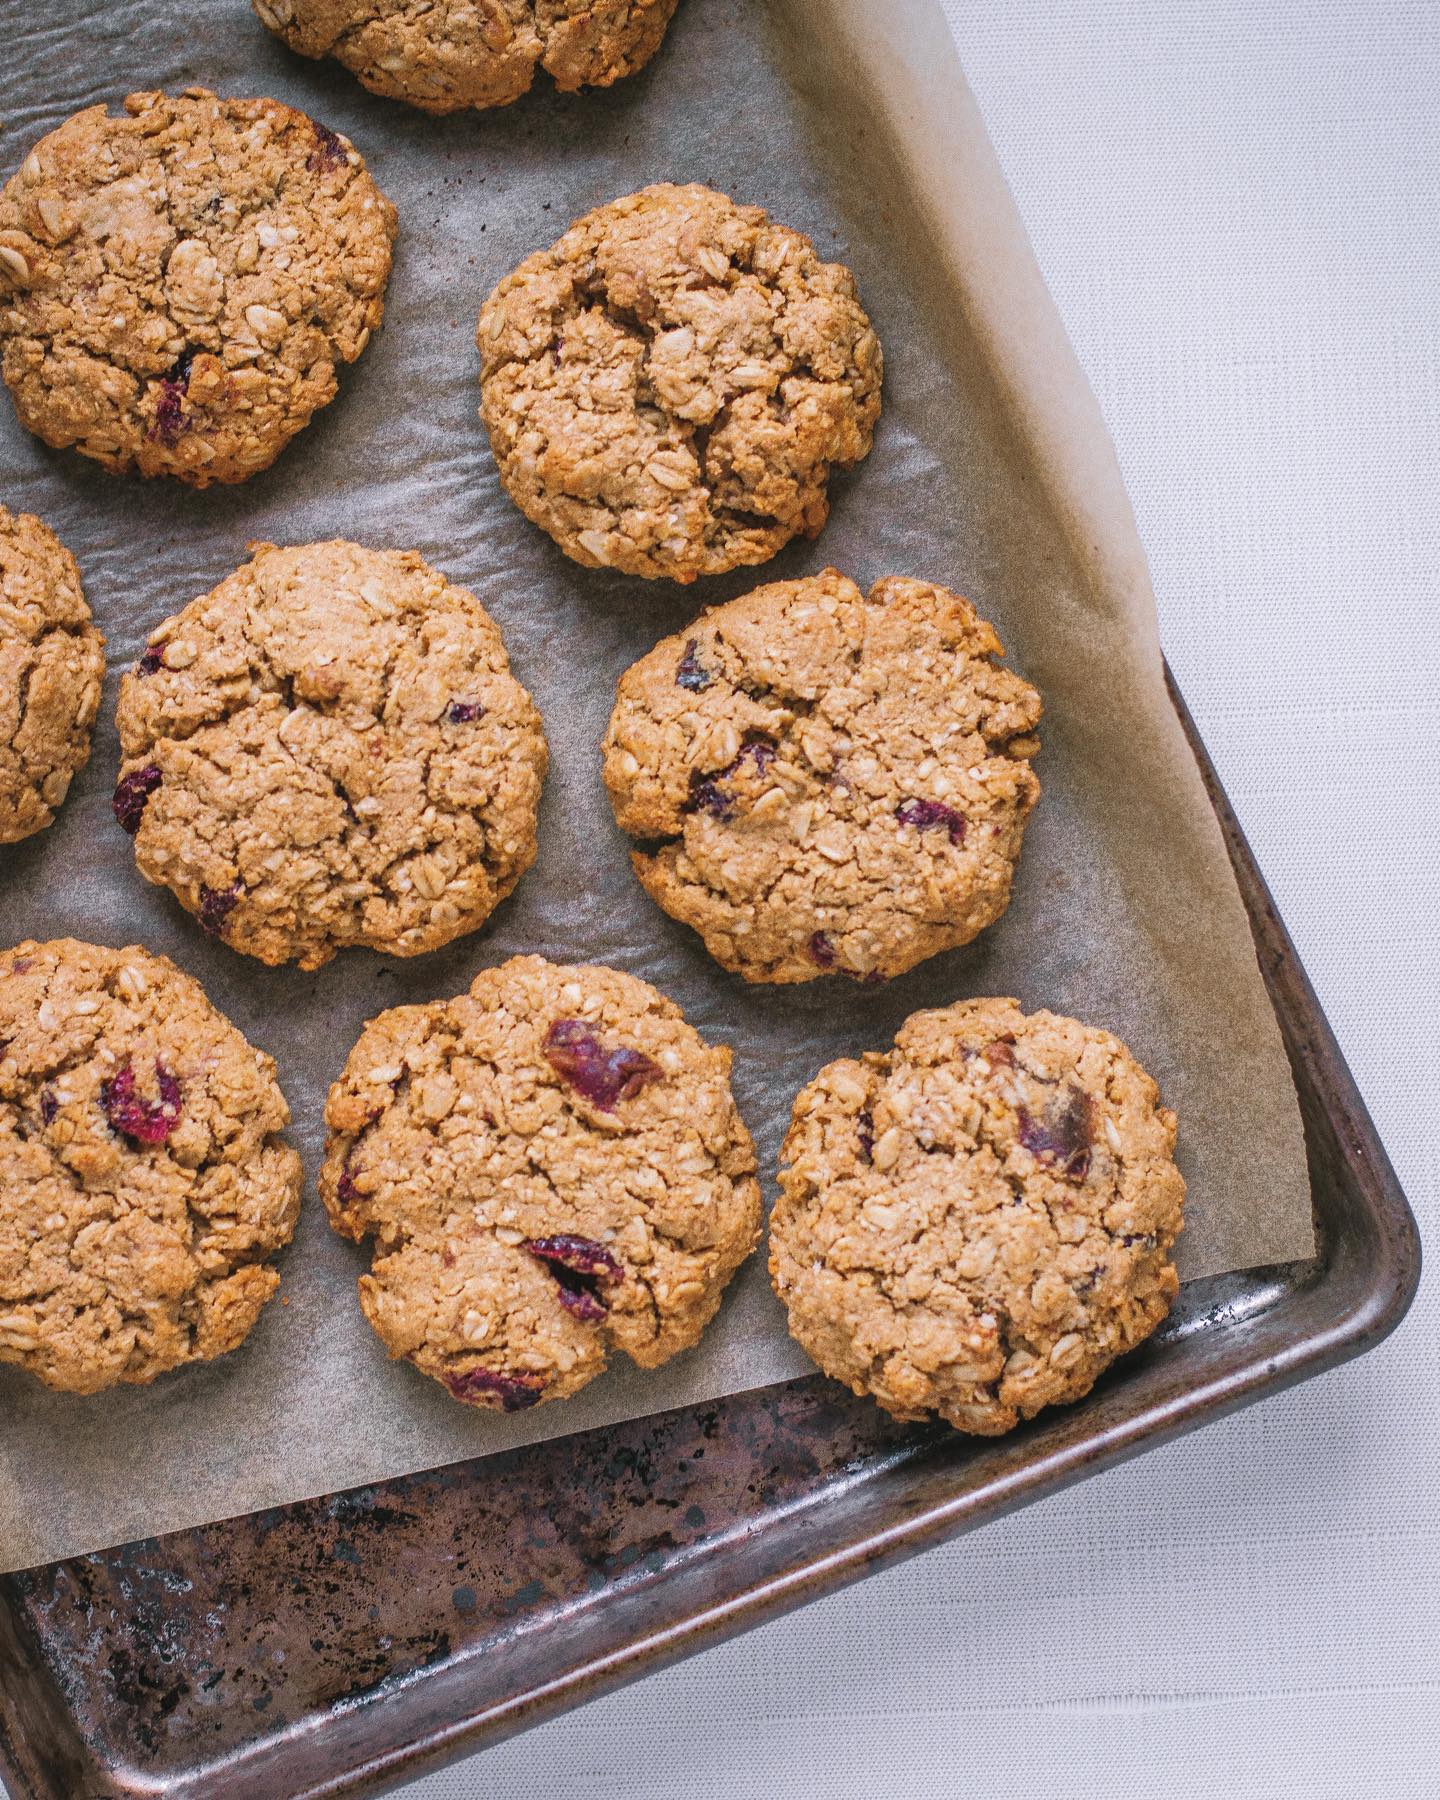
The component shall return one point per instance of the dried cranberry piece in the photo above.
(925, 814)
(706, 792)
(170, 418)
(580, 1255)
(462, 712)
(216, 906)
(604, 1076)
(49, 1106)
(132, 794)
(346, 1191)
(692, 673)
(822, 950)
(151, 661)
(578, 1265)
(135, 1118)
(865, 1131)
(514, 1392)
(1063, 1135)
(329, 151)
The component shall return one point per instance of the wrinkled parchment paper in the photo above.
(991, 472)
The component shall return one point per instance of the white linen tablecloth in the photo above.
(1237, 207)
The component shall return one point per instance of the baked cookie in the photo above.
(668, 387)
(824, 780)
(143, 1182)
(178, 285)
(52, 662)
(329, 749)
(551, 1166)
(977, 1222)
(444, 55)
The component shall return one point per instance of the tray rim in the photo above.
(1384, 1298)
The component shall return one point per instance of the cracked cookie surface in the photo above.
(445, 55)
(178, 285)
(977, 1222)
(143, 1183)
(52, 662)
(551, 1166)
(826, 781)
(329, 749)
(669, 386)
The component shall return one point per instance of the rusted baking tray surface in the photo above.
(345, 1645)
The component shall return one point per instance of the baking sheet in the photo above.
(991, 472)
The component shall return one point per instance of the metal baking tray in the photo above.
(345, 1645)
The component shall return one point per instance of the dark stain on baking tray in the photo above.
(344, 1645)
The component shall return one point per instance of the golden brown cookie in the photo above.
(552, 1166)
(178, 285)
(143, 1181)
(824, 780)
(979, 1221)
(52, 662)
(330, 749)
(444, 55)
(669, 386)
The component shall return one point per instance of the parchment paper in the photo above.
(991, 472)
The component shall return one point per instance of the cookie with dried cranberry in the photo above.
(976, 1223)
(551, 1167)
(144, 1184)
(668, 388)
(179, 285)
(329, 749)
(824, 781)
(52, 662)
(445, 55)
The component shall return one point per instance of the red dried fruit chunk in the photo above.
(49, 1106)
(865, 1131)
(1063, 1134)
(482, 1387)
(216, 906)
(346, 1191)
(692, 673)
(329, 151)
(925, 814)
(136, 1118)
(707, 793)
(151, 661)
(131, 795)
(604, 1076)
(462, 712)
(580, 1255)
(578, 1265)
(822, 950)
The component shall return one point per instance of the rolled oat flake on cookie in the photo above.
(179, 285)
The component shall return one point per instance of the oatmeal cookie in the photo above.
(52, 661)
(977, 1222)
(444, 55)
(824, 780)
(143, 1181)
(668, 387)
(552, 1166)
(178, 285)
(330, 749)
